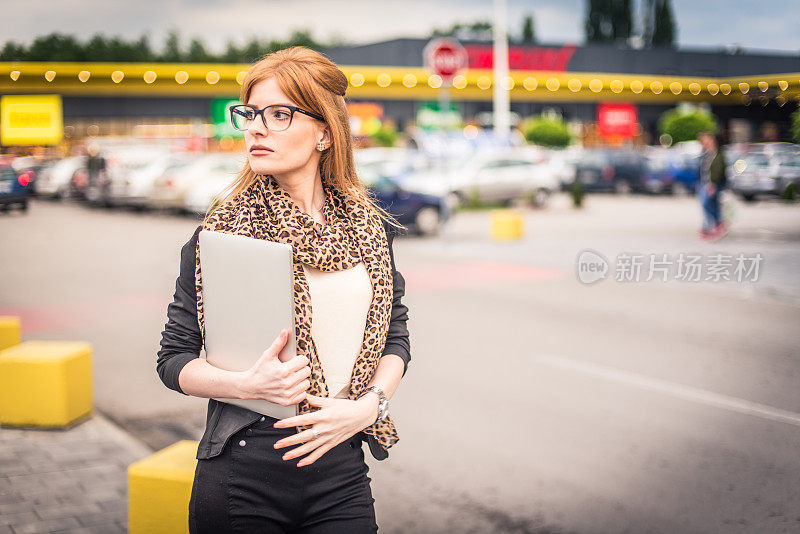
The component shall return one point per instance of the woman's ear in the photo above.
(326, 137)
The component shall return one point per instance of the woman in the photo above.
(304, 473)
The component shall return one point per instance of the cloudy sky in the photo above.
(765, 24)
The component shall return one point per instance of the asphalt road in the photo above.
(533, 402)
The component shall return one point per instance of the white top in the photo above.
(339, 305)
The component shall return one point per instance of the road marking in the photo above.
(680, 391)
(475, 273)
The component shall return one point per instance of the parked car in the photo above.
(56, 180)
(760, 174)
(425, 214)
(561, 164)
(120, 165)
(685, 170)
(14, 188)
(657, 176)
(31, 166)
(208, 186)
(497, 175)
(135, 188)
(618, 171)
(170, 189)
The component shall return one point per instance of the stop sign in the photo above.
(445, 57)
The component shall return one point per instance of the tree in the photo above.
(796, 125)
(197, 52)
(479, 30)
(664, 25)
(61, 47)
(97, 48)
(13, 52)
(608, 21)
(621, 19)
(252, 50)
(597, 25)
(528, 31)
(172, 48)
(143, 50)
(56, 47)
(302, 38)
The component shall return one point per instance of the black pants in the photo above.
(250, 488)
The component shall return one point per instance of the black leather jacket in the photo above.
(181, 342)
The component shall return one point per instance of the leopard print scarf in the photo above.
(352, 233)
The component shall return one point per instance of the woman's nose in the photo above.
(257, 127)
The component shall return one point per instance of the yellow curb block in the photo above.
(46, 383)
(9, 331)
(159, 489)
(506, 224)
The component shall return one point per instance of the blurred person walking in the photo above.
(298, 186)
(712, 182)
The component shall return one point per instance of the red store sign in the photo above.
(617, 120)
(522, 57)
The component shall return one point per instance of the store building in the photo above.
(752, 93)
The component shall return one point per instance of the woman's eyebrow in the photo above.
(278, 104)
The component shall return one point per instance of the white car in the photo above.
(502, 175)
(171, 190)
(207, 190)
(136, 187)
(55, 179)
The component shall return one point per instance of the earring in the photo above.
(320, 146)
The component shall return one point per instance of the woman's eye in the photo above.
(280, 115)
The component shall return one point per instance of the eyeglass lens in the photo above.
(276, 118)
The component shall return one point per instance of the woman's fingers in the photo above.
(299, 390)
(317, 447)
(275, 348)
(298, 363)
(314, 456)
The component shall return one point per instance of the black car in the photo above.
(618, 171)
(423, 213)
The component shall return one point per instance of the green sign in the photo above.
(221, 118)
(429, 116)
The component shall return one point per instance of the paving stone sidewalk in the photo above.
(72, 480)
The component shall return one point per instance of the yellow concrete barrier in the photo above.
(159, 489)
(9, 331)
(506, 224)
(46, 383)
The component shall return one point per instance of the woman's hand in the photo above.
(335, 421)
(710, 188)
(284, 383)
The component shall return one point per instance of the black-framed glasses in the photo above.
(276, 117)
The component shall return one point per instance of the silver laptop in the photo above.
(248, 299)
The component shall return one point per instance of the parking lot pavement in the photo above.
(533, 402)
(72, 480)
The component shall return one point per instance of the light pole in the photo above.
(502, 119)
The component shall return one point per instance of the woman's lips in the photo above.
(260, 151)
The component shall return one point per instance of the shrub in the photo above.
(684, 125)
(546, 131)
(577, 192)
(386, 135)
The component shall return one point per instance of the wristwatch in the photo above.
(383, 405)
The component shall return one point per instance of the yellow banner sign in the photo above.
(31, 120)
